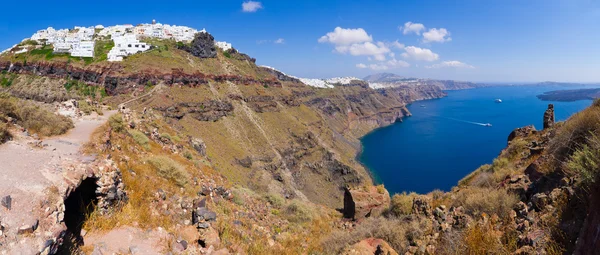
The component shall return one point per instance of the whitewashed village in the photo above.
(81, 41)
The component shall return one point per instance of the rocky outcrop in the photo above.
(370, 246)
(210, 110)
(549, 117)
(279, 75)
(364, 203)
(203, 46)
(521, 132)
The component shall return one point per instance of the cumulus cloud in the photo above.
(397, 45)
(356, 42)
(453, 64)
(390, 64)
(280, 41)
(410, 27)
(376, 50)
(420, 54)
(346, 36)
(437, 35)
(251, 6)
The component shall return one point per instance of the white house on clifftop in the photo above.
(81, 41)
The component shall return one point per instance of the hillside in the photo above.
(218, 121)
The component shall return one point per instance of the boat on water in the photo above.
(498, 100)
(487, 125)
(422, 105)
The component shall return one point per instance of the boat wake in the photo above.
(464, 121)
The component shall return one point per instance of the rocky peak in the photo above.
(549, 116)
(203, 46)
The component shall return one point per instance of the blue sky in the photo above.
(491, 41)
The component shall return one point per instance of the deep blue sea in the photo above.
(439, 144)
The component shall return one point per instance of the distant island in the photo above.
(570, 95)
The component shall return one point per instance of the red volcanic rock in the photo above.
(370, 246)
(116, 82)
(364, 203)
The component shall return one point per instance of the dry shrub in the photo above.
(298, 211)
(489, 175)
(585, 161)
(169, 169)
(401, 204)
(140, 138)
(275, 200)
(574, 133)
(482, 239)
(396, 231)
(516, 148)
(116, 123)
(4, 134)
(491, 201)
(34, 117)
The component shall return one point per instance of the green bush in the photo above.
(275, 200)
(298, 211)
(584, 162)
(169, 169)
(140, 138)
(116, 123)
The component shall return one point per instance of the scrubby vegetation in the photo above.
(169, 169)
(4, 134)
(140, 138)
(34, 117)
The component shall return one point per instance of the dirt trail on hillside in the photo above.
(30, 173)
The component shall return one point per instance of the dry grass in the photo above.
(491, 201)
(34, 117)
(574, 133)
(401, 204)
(116, 123)
(490, 175)
(169, 169)
(140, 138)
(397, 232)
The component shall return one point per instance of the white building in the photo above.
(62, 48)
(80, 40)
(84, 49)
(225, 46)
(126, 45)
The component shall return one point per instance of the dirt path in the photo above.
(29, 174)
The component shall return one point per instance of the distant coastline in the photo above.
(570, 95)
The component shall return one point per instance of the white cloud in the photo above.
(377, 50)
(343, 36)
(397, 63)
(421, 54)
(398, 45)
(280, 41)
(437, 35)
(251, 6)
(453, 64)
(356, 42)
(390, 64)
(410, 27)
(392, 55)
